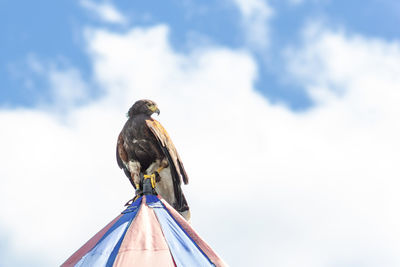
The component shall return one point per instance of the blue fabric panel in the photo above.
(105, 251)
(134, 206)
(151, 199)
(159, 204)
(133, 209)
(183, 249)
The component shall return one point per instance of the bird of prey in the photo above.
(144, 148)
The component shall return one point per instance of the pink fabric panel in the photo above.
(144, 243)
(88, 245)
(196, 238)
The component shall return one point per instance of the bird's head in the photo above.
(143, 106)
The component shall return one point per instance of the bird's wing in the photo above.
(122, 158)
(121, 153)
(177, 170)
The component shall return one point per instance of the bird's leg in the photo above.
(150, 173)
(163, 165)
(153, 167)
(134, 168)
(153, 173)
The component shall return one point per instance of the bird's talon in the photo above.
(158, 177)
(152, 178)
(160, 169)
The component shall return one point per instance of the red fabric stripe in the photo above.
(71, 261)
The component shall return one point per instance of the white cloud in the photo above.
(317, 188)
(68, 87)
(105, 11)
(255, 19)
(362, 72)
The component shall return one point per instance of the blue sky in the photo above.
(300, 95)
(52, 32)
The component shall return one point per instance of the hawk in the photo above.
(144, 148)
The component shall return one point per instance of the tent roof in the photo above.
(148, 233)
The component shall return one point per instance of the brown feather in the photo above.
(165, 141)
(123, 156)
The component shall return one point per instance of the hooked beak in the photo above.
(155, 109)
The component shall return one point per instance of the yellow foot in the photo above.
(160, 169)
(152, 178)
